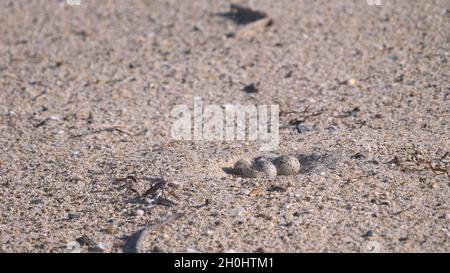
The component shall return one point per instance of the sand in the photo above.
(86, 94)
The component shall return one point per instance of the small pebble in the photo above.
(301, 129)
(237, 212)
(175, 184)
(102, 246)
(193, 250)
(73, 216)
(110, 230)
(54, 117)
(352, 82)
(287, 165)
(373, 246)
(113, 222)
(85, 241)
(139, 212)
(73, 245)
(262, 250)
(368, 234)
(256, 192)
(251, 88)
(37, 201)
(447, 216)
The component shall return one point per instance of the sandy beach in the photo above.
(88, 161)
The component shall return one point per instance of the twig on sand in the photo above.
(101, 130)
(137, 240)
(159, 198)
(159, 185)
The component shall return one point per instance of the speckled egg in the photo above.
(287, 165)
(266, 167)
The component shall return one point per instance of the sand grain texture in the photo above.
(86, 94)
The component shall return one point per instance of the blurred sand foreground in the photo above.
(86, 94)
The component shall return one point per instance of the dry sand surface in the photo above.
(86, 94)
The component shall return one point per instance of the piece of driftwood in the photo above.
(254, 28)
(136, 241)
